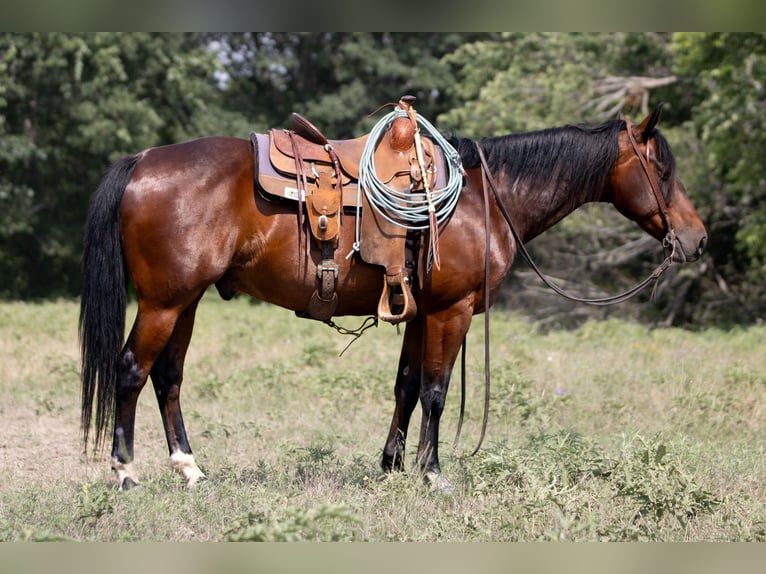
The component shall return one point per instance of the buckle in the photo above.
(669, 240)
(327, 265)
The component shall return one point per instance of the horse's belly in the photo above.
(292, 286)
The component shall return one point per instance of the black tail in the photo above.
(103, 299)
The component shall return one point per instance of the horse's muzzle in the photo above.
(701, 246)
(683, 253)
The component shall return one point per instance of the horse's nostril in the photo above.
(702, 245)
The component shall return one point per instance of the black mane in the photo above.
(579, 157)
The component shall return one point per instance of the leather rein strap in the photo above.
(487, 238)
(486, 176)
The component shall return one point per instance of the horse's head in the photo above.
(647, 189)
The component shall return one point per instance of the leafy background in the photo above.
(71, 103)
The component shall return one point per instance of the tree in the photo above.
(336, 79)
(528, 81)
(522, 82)
(729, 123)
(70, 104)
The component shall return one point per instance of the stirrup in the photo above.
(396, 303)
(321, 309)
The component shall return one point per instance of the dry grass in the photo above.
(608, 432)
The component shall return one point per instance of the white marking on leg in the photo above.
(184, 464)
(124, 470)
(438, 483)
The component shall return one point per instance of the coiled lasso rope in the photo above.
(404, 208)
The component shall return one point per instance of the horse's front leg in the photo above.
(444, 333)
(406, 391)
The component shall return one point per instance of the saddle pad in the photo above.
(280, 186)
(274, 183)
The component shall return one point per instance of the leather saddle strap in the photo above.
(328, 272)
(338, 175)
(302, 183)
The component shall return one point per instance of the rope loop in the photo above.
(409, 210)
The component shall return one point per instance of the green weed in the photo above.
(659, 487)
(324, 523)
(94, 502)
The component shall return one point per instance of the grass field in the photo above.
(608, 432)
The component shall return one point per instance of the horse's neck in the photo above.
(534, 209)
(543, 182)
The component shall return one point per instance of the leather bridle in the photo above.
(670, 239)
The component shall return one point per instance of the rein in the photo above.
(670, 238)
(486, 335)
(486, 176)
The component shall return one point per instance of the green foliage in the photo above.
(713, 118)
(660, 487)
(645, 486)
(335, 78)
(550, 462)
(530, 81)
(95, 502)
(318, 524)
(509, 85)
(727, 74)
(71, 103)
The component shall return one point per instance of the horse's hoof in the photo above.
(391, 463)
(196, 482)
(128, 484)
(438, 483)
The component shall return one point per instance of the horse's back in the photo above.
(182, 214)
(195, 160)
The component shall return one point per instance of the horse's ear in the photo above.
(650, 122)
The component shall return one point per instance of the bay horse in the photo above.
(177, 219)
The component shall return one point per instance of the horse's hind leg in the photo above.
(167, 376)
(148, 337)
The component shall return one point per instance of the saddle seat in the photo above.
(312, 147)
(286, 144)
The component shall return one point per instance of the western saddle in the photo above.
(322, 177)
